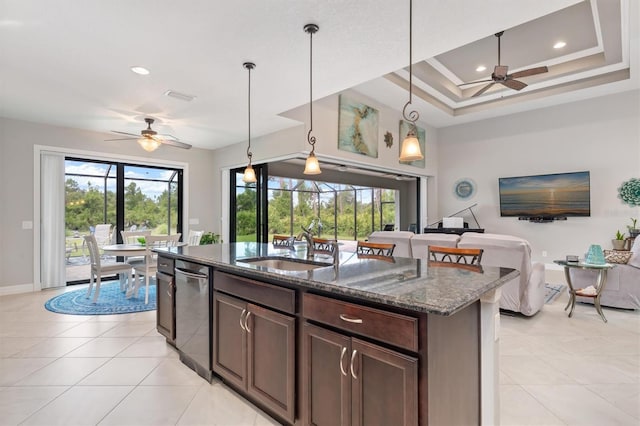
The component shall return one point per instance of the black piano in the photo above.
(437, 227)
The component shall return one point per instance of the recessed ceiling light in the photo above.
(140, 70)
(559, 45)
(481, 68)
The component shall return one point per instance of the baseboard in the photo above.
(16, 289)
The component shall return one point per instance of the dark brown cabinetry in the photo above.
(253, 346)
(349, 381)
(166, 304)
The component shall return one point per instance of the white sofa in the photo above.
(524, 294)
(421, 242)
(400, 238)
(622, 289)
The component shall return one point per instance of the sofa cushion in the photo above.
(421, 242)
(400, 238)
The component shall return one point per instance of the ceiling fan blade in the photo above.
(529, 72)
(500, 71)
(176, 143)
(484, 89)
(121, 139)
(475, 82)
(125, 133)
(514, 84)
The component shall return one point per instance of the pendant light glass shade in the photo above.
(312, 166)
(410, 145)
(249, 174)
(149, 144)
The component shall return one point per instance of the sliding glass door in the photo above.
(117, 196)
(248, 208)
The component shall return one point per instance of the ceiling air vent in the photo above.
(178, 95)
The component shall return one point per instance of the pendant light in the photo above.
(410, 145)
(311, 166)
(249, 174)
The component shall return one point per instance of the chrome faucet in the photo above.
(308, 236)
(335, 253)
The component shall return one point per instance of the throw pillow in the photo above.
(617, 256)
(635, 254)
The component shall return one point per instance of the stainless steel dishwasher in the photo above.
(193, 321)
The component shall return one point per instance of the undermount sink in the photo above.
(285, 264)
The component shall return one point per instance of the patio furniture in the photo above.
(99, 268)
(150, 265)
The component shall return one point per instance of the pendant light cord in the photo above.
(249, 66)
(412, 116)
(311, 29)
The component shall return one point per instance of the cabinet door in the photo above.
(229, 343)
(166, 308)
(271, 359)
(384, 386)
(326, 381)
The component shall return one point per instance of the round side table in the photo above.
(601, 280)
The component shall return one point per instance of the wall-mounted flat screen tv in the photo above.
(548, 196)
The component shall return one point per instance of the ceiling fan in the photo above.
(150, 140)
(500, 75)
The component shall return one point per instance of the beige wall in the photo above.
(17, 143)
(601, 135)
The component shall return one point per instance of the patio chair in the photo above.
(99, 268)
(194, 237)
(150, 265)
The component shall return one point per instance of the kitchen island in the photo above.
(364, 341)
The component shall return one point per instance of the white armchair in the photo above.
(524, 294)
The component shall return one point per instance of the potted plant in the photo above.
(209, 238)
(633, 229)
(618, 243)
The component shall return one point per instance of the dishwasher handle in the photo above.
(191, 274)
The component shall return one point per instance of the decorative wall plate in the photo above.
(464, 188)
(629, 192)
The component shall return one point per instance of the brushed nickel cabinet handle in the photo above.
(241, 324)
(246, 321)
(353, 357)
(344, 350)
(345, 317)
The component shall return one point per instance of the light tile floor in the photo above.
(117, 370)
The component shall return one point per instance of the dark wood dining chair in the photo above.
(322, 245)
(284, 241)
(465, 256)
(376, 249)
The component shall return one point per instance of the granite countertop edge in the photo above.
(440, 308)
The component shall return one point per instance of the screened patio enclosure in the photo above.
(124, 196)
(333, 210)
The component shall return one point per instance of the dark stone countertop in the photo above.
(405, 283)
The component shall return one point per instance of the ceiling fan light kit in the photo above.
(150, 141)
(410, 145)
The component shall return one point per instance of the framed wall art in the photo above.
(404, 129)
(357, 127)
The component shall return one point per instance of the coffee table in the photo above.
(601, 280)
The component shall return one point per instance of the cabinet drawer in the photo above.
(165, 265)
(279, 298)
(396, 329)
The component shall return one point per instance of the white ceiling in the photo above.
(68, 62)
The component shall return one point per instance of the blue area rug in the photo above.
(552, 291)
(110, 301)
